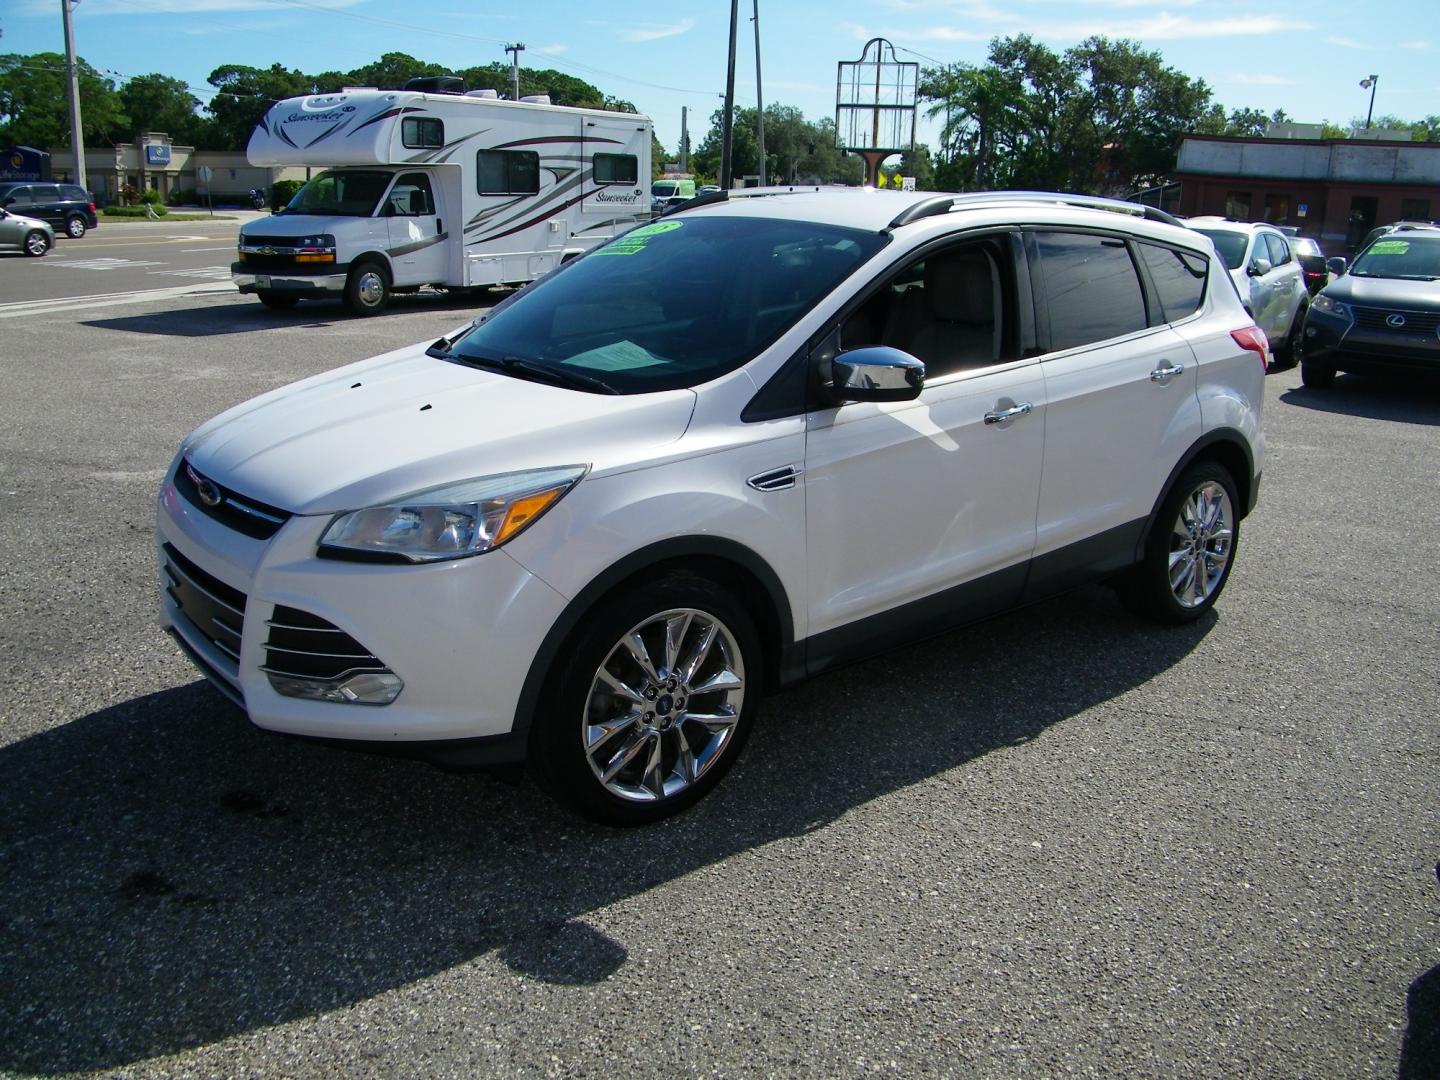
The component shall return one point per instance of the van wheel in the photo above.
(367, 290)
(648, 709)
(1190, 550)
(36, 243)
(278, 301)
(75, 227)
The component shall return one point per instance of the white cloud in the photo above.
(551, 50)
(1161, 27)
(655, 31)
(94, 8)
(1346, 43)
(1415, 45)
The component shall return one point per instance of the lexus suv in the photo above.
(728, 449)
(1269, 276)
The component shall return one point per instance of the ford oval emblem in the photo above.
(1395, 321)
(209, 491)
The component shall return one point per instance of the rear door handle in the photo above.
(1165, 372)
(999, 416)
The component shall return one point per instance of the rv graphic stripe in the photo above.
(550, 139)
(385, 115)
(406, 249)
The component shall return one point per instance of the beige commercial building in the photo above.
(153, 162)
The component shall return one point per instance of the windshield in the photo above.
(663, 189)
(1231, 245)
(674, 303)
(341, 192)
(1414, 258)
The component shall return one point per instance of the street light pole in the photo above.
(1369, 84)
(72, 82)
(727, 130)
(760, 96)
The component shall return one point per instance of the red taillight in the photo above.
(1253, 338)
(92, 207)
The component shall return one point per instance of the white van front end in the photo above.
(302, 256)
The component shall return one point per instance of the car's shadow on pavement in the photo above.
(214, 321)
(1409, 401)
(173, 876)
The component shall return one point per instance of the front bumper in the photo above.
(1333, 342)
(248, 279)
(462, 635)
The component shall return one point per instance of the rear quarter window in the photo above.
(1178, 278)
(74, 193)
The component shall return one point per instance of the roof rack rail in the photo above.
(940, 205)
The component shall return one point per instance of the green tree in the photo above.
(35, 105)
(243, 94)
(161, 103)
(391, 72)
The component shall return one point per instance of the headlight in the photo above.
(1326, 306)
(450, 522)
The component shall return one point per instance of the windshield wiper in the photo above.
(514, 365)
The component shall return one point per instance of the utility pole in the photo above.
(760, 95)
(72, 82)
(727, 140)
(515, 51)
(684, 138)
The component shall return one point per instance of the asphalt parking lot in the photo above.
(1063, 842)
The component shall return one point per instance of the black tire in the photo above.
(36, 243)
(1150, 588)
(1315, 375)
(277, 301)
(1288, 354)
(575, 705)
(75, 227)
(367, 289)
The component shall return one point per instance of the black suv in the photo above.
(66, 206)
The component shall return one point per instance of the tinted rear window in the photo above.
(1092, 289)
(1178, 277)
(1231, 245)
(73, 193)
(674, 303)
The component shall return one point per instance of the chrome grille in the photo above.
(305, 646)
(1416, 322)
(214, 611)
(245, 515)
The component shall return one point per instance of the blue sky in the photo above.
(1305, 58)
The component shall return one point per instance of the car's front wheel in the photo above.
(1190, 550)
(1315, 375)
(36, 243)
(650, 706)
(75, 227)
(367, 289)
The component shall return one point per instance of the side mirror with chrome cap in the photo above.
(1259, 267)
(876, 373)
(1336, 266)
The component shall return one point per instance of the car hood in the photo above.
(294, 224)
(1386, 292)
(404, 421)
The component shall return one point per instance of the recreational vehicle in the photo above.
(434, 188)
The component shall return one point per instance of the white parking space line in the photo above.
(197, 271)
(225, 247)
(107, 262)
(44, 307)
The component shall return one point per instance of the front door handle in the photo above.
(999, 416)
(1165, 372)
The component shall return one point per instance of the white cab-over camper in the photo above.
(427, 188)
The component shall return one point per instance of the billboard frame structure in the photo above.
(875, 105)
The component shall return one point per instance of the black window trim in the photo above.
(510, 155)
(406, 122)
(595, 170)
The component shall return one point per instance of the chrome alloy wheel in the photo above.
(663, 705)
(1200, 544)
(370, 287)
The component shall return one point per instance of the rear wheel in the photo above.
(36, 243)
(650, 706)
(278, 301)
(75, 227)
(367, 289)
(1289, 352)
(1315, 375)
(1190, 550)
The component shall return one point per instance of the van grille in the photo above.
(245, 515)
(305, 646)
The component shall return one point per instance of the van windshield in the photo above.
(341, 192)
(663, 189)
(671, 304)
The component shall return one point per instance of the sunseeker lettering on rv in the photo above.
(605, 196)
(336, 114)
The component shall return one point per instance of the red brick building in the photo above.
(1335, 190)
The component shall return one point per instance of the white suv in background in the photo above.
(1269, 277)
(716, 455)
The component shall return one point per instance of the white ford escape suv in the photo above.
(720, 453)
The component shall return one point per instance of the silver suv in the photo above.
(1269, 276)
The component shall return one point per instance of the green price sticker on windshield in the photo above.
(636, 240)
(1390, 247)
